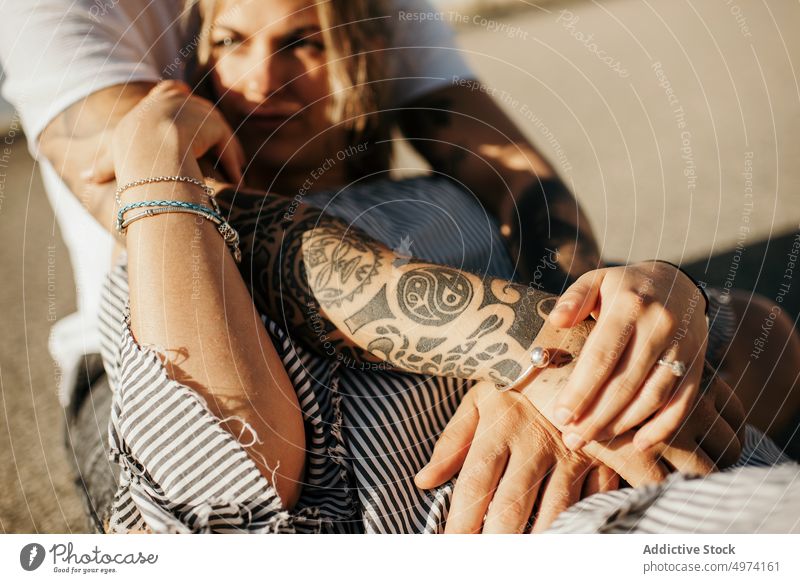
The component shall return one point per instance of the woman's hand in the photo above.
(644, 312)
(171, 122)
(508, 456)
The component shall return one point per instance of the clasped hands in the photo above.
(611, 412)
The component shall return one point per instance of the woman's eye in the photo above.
(224, 42)
(306, 43)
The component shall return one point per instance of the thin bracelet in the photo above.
(229, 234)
(187, 179)
(168, 209)
(161, 203)
(540, 358)
(693, 280)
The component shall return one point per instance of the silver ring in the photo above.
(677, 366)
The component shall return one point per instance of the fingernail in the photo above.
(563, 307)
(573, 441)
(87, 174)
(641, 443)
(563, 415)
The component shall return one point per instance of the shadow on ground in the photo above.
(770, 267)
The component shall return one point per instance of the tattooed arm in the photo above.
(348, 296)
(463, 133)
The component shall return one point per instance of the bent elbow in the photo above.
(290, 496)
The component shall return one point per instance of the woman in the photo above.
(230, 377)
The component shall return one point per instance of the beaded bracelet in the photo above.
(162, 203)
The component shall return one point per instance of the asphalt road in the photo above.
(676, 123)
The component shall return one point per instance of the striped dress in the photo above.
(368, 430)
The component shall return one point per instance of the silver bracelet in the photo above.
(229, 234)
(155, 179)
(540, 358)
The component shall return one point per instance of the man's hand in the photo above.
(79, 139)
(508, 456)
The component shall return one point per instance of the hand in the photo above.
(171, 120)
(711, 436)
(507, 456)
(644, 312)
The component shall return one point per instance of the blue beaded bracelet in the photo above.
(164, 203)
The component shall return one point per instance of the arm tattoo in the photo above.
(344, 295)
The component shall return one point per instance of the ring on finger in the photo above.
(677, 367)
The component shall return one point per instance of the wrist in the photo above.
(700, 286)
(563, 345)
(157, 152)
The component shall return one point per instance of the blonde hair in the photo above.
(352, 31)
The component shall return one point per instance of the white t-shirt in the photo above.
(56, 52)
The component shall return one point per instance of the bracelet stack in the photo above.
(158, 207)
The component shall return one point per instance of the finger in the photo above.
(656, 392)
(578, 301)
(623, 387)
(638, 468)
(513, 501)
(688, 459)
(667, 421)
(102, 169)
(229, 157)
(600, 479)
(712, 430)
(727, 404)
(451, 448)
(721, 443)
(604, 347)
(238, 150)
(475, 488)
(562, 490)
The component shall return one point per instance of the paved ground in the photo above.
(694, 159)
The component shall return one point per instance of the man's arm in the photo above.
(463, 133)
(80, 136)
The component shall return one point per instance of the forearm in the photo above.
(347, 296)
(188, 297)
(548, 233)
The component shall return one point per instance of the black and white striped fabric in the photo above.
(369, 431)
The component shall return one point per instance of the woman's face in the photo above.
(270, 76)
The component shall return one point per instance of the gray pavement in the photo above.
(676, 123)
